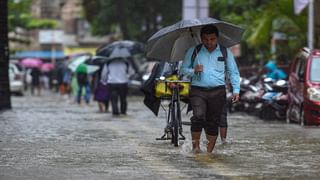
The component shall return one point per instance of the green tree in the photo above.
(136, 20)
(20, 16)
(262, 18)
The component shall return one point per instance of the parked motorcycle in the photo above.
(274, 101)
(249, 93)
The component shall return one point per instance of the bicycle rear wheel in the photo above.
(175, 134)
(176, 120)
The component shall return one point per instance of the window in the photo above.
(315, 69)
(300, 66)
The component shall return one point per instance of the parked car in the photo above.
(16, 79)
(304, 88)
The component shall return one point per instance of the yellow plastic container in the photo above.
(163, 89)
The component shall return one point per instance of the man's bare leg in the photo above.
(196, 142)
(223, 134)
(211, 143)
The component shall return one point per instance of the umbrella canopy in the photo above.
(121, 49)
(172, 42)
(97, 60)
(31, 63)
(76, 64)
(46, 67)
(76, 61)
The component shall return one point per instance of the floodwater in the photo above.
(48, 137)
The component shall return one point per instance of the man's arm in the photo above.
(234, 75)
(186, 68)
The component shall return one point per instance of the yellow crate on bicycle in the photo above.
(162, 88)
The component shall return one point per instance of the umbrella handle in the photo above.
(193, 36)
(191, 32)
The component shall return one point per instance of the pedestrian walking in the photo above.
(101, 90)
(206, 65)
(83, 83)
(118, 72)
(35, 80)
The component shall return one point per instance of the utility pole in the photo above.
(317, 24)
(311, 24)
(5, 95)
(53, 48)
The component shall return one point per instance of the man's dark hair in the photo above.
(209, 29)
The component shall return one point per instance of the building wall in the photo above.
(70, 13)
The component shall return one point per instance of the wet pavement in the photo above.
(48, 137)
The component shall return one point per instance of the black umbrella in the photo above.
(171, 43)
(121, 49)
(97, 60)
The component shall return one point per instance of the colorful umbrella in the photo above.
(76, 61)
(31, 63)
(46, 67)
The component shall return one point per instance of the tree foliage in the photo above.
(262, 18)
(136, 20)
(20, 16)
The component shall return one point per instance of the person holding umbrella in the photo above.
(208, 94)
(205, 63)
(83, 82)
(35, 81)
(117, 70)
(116, 75)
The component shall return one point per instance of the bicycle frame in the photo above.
(173, 130)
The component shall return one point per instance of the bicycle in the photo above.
(173, 90)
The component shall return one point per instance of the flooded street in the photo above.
(48, 137)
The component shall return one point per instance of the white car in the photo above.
(16, 80)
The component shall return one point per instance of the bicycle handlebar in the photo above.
(174, 81)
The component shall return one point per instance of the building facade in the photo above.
(76, 37)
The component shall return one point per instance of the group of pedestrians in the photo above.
(108, 84)
(36, 80)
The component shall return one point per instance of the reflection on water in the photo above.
(48, 134)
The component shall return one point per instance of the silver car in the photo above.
(16, 80)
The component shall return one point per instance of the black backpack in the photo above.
(82, 78)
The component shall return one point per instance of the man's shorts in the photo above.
(207, 105)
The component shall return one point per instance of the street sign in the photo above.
(51, 36)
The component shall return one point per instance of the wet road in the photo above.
(50, 138)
